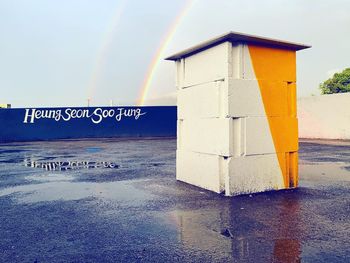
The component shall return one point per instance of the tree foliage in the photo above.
(339, 83)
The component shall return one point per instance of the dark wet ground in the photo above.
(118, 201)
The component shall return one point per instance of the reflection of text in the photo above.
(96, 115)
(71, 165)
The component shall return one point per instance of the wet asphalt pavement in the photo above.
(116, 200)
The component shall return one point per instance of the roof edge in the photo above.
(237, 37)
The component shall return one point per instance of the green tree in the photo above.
(339, 83)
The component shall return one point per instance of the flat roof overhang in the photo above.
(239, 38)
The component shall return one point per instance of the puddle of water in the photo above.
(14, 160)
(323, 174)
(93, 149)
(123, 192)
(9, 151)
(49, 178)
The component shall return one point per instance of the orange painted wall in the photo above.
(275, 71)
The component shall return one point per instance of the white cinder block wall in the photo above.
(203, 126)
(324, 116)
(222, 122)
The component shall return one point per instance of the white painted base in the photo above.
(199, 169)
(261, 173)
(224, 174)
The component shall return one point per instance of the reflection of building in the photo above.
(200, 231)
(228, 232)
(5, 106)
(287, 248)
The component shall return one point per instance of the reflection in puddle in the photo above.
(93, 149)
(50, 177)
(69, 165)
(243, 234)
(67, 191)
(287, 246)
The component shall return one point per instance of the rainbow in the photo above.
(160, 53)
(103, 50)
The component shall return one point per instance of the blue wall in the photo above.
(30, 124)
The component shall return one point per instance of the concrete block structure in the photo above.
(237, 128)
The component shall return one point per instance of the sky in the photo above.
(69, 52)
